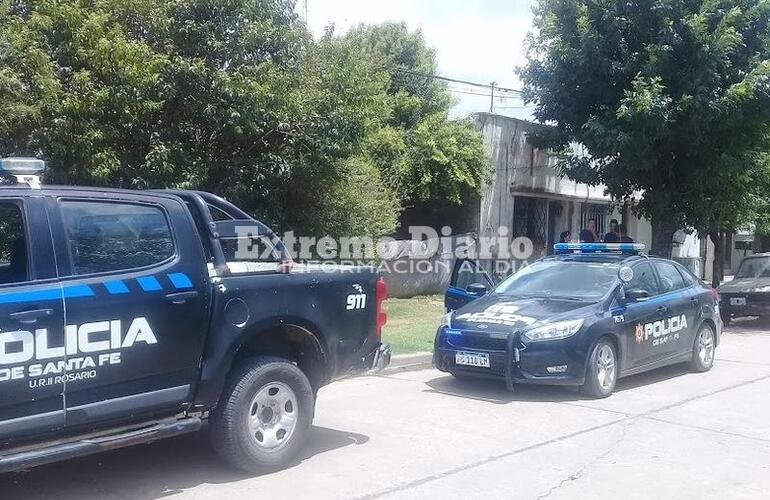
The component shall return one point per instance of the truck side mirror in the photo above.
(478, 289)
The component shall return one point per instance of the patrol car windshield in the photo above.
(756, 267)
(559, 279)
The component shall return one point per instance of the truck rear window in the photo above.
(110, 236)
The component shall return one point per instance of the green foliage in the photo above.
(229, 96)
(669, 98)
(233, 97)
(425, 156)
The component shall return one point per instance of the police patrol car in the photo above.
(586, 316)
(130, 316)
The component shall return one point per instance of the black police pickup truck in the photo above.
(587, 316)
(127, 316)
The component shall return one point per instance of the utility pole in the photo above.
(305, 9)
(492, 99)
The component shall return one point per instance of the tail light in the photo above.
(715, 294)
(381, 295)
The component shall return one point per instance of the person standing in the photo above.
(588, 234)
(613, 235)
(565, 237)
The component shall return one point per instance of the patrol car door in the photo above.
(138, 329)
(31, 323)
(639, 316)
(466, 272)
(676, 330)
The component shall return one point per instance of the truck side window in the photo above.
(110, 236)
(13, 245)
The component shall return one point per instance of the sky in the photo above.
(479, 41)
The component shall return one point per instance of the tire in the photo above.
(601, 370)
(703, 349)
(264, 415)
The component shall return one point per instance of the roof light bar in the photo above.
(599, 247)
(25, 170)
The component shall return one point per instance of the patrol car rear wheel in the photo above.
(602, 370)
(264, 416)
(703, 350)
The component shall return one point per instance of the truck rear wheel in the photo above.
(264, 415)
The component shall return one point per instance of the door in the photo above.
(32, 349)
(639, 317)
(677, 329)
(466, 272)
(139, 326)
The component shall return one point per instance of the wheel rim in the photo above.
(273, 416)
(605, 367)
(706, 346)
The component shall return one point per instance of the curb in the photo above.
(408, 362)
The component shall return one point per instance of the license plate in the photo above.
(472, 359)
(737, 301)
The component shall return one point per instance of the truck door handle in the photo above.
(662, 310)
(181, 297)
(694, 301)
(30, 316)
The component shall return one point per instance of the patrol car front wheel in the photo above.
(264, 416)
(602, 370)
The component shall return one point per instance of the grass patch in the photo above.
(412, 323)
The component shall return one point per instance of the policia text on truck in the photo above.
(127, 316)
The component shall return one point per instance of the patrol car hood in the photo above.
(505, 313)
(746, 285)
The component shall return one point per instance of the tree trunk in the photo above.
(717, 269)
(662, 234)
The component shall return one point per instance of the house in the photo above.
(528, 197)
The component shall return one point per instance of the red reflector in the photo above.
(715, 293)
(381, 295)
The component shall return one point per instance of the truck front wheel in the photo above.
(264, 415)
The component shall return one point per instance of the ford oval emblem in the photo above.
(482, 326)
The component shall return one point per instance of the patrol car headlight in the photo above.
(446, 320)
(552, 331)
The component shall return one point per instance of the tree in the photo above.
(429, 159)
(229, 96)
(668, 98)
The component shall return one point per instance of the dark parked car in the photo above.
(748, 294)
(585, 317)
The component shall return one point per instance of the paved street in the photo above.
(666, 434)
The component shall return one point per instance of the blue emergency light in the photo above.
(598, 247)
(21, 166)
(25, 170)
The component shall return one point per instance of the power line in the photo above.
(456, 80)
(481, 94)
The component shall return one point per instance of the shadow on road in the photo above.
(148, 472)
(494, 391)
(748, 325)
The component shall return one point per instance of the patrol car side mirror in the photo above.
(477, 289)
(636, 295)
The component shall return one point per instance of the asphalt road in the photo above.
(422, 434)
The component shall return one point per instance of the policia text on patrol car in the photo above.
(586, 316)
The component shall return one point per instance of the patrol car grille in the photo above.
(475, 340)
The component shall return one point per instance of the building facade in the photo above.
(528, 197)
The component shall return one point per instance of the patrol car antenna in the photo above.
(25, 170)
